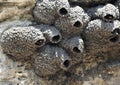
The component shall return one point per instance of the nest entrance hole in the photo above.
(109, 17)
(66, 63)
(77, 24)
(56, 38)
(115, 38)
(76, 49)
(63, 11)
(40, 42)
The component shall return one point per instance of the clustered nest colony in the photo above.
(65, 35)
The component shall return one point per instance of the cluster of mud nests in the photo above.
(70, 41)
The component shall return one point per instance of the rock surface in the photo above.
(16, 9)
